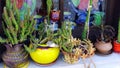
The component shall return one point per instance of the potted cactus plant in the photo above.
(16, 32)
(73, 48)
(90, 50)
(103, 38)
(43, 46)
(117, 42)
(42, 49)
(67, 43)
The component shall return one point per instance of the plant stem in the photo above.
(119, 31)
(86, 27)
(49, 6)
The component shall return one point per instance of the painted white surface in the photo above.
(108, 61)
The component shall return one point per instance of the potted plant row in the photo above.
(16, 33)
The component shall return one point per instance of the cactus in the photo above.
(41, 36)
(65, 39)
(49, 6)
(16, 31)
(119, 31)
(86, 27)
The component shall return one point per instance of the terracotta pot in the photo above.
(15, 57)
(70, 58)
(103, 47)
(45, 55)
(116, 46)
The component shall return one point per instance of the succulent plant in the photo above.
(65, 39)
(43, 35)
(105, 33)
(16, 30)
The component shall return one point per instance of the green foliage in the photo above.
(86, 27)
(98, 18)
(16, 30)
(65, 39)
(41, 36)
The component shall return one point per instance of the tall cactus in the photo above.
(86, 27)
(119, 31)
(49, 6)
(16, 30)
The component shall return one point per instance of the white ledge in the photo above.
(106, 61)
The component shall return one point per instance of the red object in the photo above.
(55, 15)
(19, 3)
(116, 46)
(83, 4)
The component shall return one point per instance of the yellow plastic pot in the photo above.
(45, 55)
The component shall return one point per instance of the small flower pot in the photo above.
(45, 55)
(103, 47)
(116, 46)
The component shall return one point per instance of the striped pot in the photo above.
(15, 56)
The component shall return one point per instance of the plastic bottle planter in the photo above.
(116, 47)
(45, 55)
(103, 47)
(15, 57)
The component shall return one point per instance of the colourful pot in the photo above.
(45, 55)
(116, 46)
(15, 56)
(103, 47)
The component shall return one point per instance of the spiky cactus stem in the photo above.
(49, 6)
(118, 31)
(86, 27)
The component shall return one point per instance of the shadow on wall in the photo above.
(2, 48)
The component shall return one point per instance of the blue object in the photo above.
(81, 15)
(38, 21)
